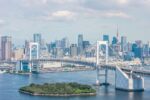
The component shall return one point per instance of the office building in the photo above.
(146, 50)
(6, 45)
(80, 44)
(37, 38)
(114, 41)
(124, 44)
(86, 44)
(106, 38)
(73, 50)
(65, 43)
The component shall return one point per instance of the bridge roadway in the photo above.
(138, 70)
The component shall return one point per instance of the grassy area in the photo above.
(58, 88)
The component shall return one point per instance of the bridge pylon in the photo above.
(98, 67)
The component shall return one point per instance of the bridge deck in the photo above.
(87, 63)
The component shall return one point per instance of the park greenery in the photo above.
(58, 89)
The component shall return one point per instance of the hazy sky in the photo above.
(59, 18)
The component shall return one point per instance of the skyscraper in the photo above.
(114, 41)
(123, 43)
(73, 50)
(26, 49)
(137, 50)
(146, 50)
(86, 44)
(58, 43)
(80, 44)
(106, 38)
(37, 38)
(65, 42)
(6, 44)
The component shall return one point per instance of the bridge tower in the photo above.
(33, 53)
(33, 50)
(98, 67)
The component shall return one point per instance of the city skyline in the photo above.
(55, 18)
(74, 49)
(44, 39)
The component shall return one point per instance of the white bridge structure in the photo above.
(126, 77)
(123, 80)
(33, 50)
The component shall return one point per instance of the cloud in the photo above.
(93, 13)
(64, 1)
(117, 14)
(67, 10)
(2, 22)
(122, 2)
(34, 2)
(62, 15)
(66, 15)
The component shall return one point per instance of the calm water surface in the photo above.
(9, 85)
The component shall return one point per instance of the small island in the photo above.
(58, 89)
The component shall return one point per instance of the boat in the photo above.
(2, 71)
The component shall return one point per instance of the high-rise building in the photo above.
(73, 50)
(123, 43)
(86, 44)
(146, 50)
(106, 38)
(58, 43)
(26, 49)
(37, 37)
(65, 43)
(114, 41)
(137, 50)
(116, 45)
(129, 47)
(80, 44)
(6, 45)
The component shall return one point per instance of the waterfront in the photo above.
(10, 83)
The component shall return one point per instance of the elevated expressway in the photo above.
(138, 69)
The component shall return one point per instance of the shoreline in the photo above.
(57, 95)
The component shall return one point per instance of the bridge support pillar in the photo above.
(97, 77)
(21, 66)
(102, 73)
(30, 68)
(106, 76)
